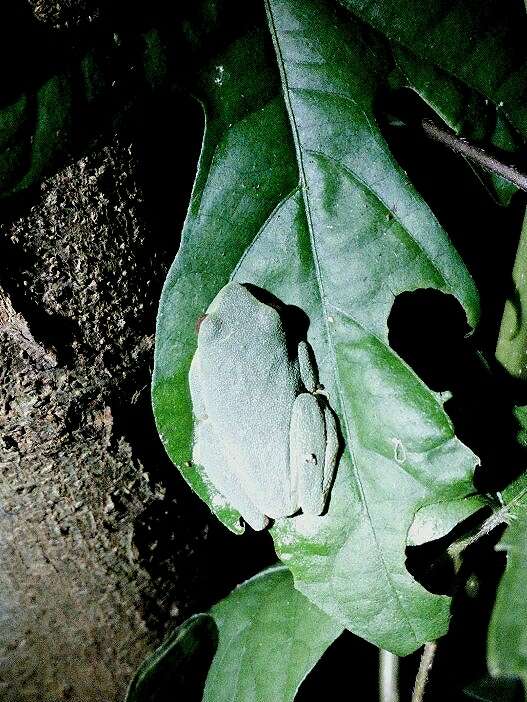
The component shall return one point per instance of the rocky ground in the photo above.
(102, 545)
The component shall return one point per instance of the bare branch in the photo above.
(476, 154)
(388, 677)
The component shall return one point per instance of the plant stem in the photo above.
(427, 659)
(513, 501)
(511, 349)
(500, 516)
(475, 153)
(388, 677)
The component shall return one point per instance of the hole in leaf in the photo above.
(484, 233)
(431, 564)
(427, 329)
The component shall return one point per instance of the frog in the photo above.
(264, 432)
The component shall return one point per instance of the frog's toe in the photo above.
(256, 520)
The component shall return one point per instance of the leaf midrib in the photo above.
(303, 179)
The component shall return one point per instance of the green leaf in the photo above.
(263, 639)
(489, 690)
(308, 203)
(74, 98)
(507, 637)
(520, 414)
(270, 637)
(464, 110)
(507, 640)
(436, 520)
(476, 42)
(180, 664)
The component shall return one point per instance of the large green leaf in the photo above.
(309, 203)
(179, 665)
(65, 105)
(507, 638)
(260, 642)
(270, 637)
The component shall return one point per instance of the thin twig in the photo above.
(475, 153)
(505, 514)
(427, 659)
(388, 677)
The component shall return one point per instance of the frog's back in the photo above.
(252, 383)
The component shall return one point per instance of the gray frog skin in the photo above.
(264, 436)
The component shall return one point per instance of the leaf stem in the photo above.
(475, 153)
(513, 498)
(500, 516)
(511, 349)
(427, 659)
(388, 676)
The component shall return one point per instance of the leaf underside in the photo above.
(467, 61)
(507, 635)
(476, 42)
(180, 664)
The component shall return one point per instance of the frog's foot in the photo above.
(256, 520)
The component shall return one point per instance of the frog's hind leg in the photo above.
(307, 453)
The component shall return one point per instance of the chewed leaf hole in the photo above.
(431, 564)
(428, 330)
